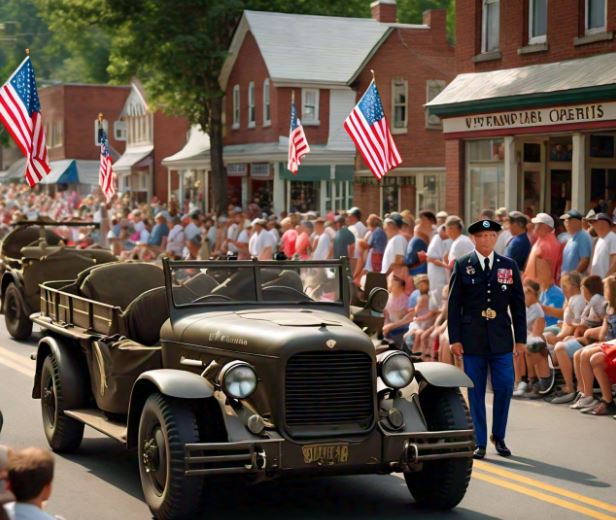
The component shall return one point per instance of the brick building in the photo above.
(325, 63)
(70, 113)
(530, 120)
(150, 137)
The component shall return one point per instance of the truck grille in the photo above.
(329, 391)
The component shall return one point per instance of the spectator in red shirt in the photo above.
(302, 243)
(288, 238)
(546, 254)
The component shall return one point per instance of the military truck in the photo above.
(30, 254)
(249, 369)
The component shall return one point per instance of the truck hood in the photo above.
(266, 332)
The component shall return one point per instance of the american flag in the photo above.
(20, 111)
(105, 173)
(298, 145)
(367, 126)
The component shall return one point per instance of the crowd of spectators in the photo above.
(568, 264)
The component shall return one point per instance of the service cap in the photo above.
(484, 225)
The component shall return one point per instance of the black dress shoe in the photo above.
(479, 453)
(501, 447)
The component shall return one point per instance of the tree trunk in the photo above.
(219, 172)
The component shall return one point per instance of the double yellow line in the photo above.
(527, 486)
(16, 362)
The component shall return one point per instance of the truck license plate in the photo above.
(326, 454)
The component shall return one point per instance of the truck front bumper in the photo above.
(382, 451)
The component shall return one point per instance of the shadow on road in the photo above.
(550, 470)
(336, 498)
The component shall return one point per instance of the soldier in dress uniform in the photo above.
(485, 297)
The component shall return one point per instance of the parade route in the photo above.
(549, 476)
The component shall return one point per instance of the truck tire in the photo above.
(64, 434)
(165, 427)
(18, 323)
(441, 484)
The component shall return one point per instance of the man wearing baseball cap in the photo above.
(545, 256)
(578, 249)
(604, 258)
(484, 289)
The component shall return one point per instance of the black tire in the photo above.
(64, 434)
(165, 427)
(17, 321)
(441, 484)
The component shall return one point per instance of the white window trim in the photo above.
(315, 121)
(536, 39)
(236, 107)
(484, 26)
(124, 130)
(403, 129)
(105, 125)
(251, 106)
(596, 30)
(268, 102)
(430, 83)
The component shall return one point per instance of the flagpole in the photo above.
(293, 97)
(373, 78)
(380, 179)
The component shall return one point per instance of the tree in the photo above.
(411, 11)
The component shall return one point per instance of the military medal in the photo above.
(470, 270)
(504, 287)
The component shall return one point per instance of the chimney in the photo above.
(384, 11)
(436, 19)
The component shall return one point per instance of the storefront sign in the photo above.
(237, 170)
(549, 116)
(260, 169)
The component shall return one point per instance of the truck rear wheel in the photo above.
(63, 433)
(165, 427)
(441, 484)
(17, 321)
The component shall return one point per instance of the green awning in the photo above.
(343, 172)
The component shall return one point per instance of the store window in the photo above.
(339, 195)
(603, 189)
(596, 14)
(304, 196)
(310, 106)
(267, 118)
(399, 99)
(251, 105)
(485, 176)
(537, 21)
(602, 146)
(490, 27)
(433, 88)
(236, 106)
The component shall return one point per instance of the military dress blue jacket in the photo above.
(473, 296)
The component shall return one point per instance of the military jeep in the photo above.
(30, 254)
(249, 369)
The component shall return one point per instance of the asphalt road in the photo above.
(564, 467)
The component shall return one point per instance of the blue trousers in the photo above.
(501, 370)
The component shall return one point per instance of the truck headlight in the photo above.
(238, 379)
(397, 369)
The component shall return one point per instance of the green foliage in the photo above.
(411, 11)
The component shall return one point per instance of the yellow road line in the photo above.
(484, 466)
(17, 367)
(16, 358)
(565, 504)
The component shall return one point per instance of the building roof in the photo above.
(531, 85)
(299, 48)
(132, 156)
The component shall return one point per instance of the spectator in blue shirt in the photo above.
(578, 249)
(414, 259)
(552, 300)
(518, 248)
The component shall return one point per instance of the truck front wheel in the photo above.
(165, 427)
(441, 484)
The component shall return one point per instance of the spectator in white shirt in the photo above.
(322, 243)
(242, 241)
(393, 256)
(438, 273)
(461, 244)
(176, 239)
(604, 257)
(261, 244)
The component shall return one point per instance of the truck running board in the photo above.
(99, 421)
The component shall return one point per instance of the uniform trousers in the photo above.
(501, 371)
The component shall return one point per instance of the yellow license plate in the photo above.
(326, 454)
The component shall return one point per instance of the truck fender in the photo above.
(442, 375)
(73, 370)
(170, 382)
